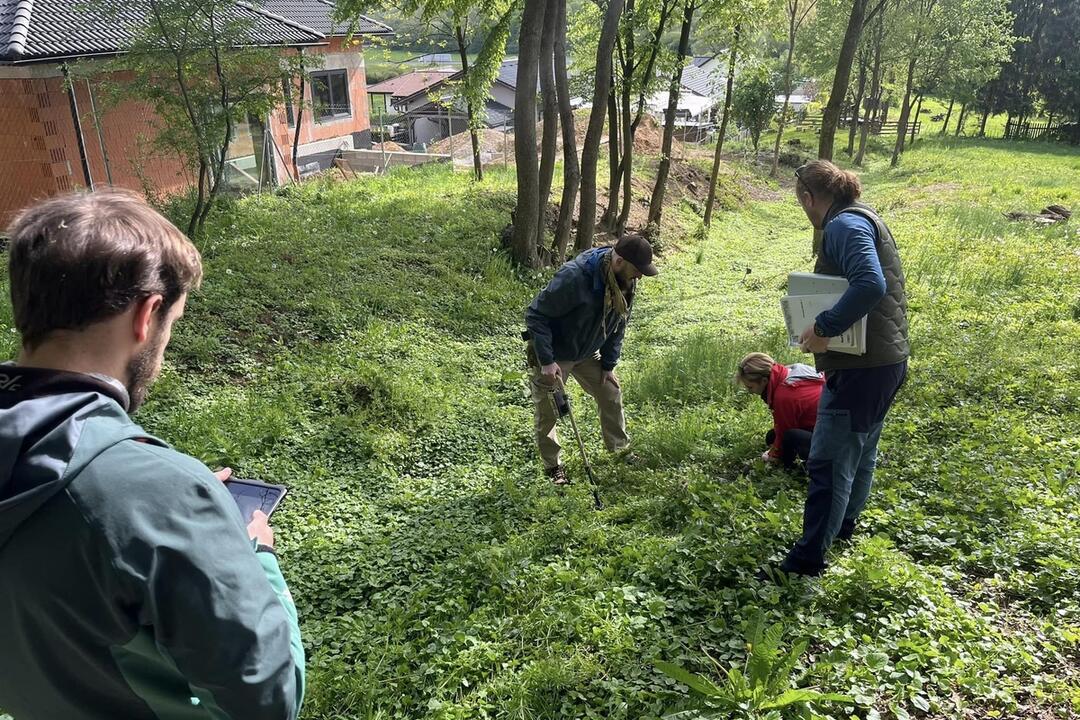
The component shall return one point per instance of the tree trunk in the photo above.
(590, 153)
(299, 119)
(626, 163)
(474, 135)
(860, 90)
(948, 115)
(218, 177)
(842, 78)
(915, 123)
(526, 217)
(656, 202)
(550, 138)
(571, 171)
(723, 127)
(875, 94)
(960, 120)
(905, 111)
(611, 214)
(794, 10)
(200, 200)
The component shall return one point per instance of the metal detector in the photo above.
(560, 407)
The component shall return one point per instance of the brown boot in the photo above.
(558, 475)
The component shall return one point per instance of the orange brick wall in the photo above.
(39, 149)
(39, 155)
(128, 131)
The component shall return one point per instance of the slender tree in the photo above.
(550, 138)
(874, 102)
(656, 202)
(796, 16)
(527, 215)
(714, 176)
(571, 170)
(590, 153)
(611, 212)
(862, 11)
(192, 64)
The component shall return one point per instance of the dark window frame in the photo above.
(287, 91)
(331, 111)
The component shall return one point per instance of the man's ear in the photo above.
(146, 309)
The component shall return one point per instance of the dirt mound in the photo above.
(388, 146)
(493, 144)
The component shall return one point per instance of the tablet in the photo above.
(252, 495)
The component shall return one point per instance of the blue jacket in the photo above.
(565, 319)
(850, 245)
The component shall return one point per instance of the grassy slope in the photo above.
(357, 342)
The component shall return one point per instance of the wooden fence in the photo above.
(876, 127)
(1016, 130)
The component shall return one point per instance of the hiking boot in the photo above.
(558, 475)
(626, 456)
(847, 529)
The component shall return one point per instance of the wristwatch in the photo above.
(818, 331)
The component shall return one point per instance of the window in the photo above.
(330, 94)
(286, 92)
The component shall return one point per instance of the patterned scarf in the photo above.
(614, 299)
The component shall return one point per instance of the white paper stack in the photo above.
(810, 294)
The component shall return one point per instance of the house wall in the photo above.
(319, 141)
(39, 147)
(502, 94)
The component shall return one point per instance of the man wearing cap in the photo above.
(575, 328)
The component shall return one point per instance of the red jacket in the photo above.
(793, 396)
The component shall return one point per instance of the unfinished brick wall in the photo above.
(39, 147)
(36, 142)
(128, 133)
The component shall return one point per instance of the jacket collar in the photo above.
(25, 383)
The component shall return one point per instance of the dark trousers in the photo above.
(796, 444)
(843, 453)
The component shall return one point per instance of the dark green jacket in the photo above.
(128, 585)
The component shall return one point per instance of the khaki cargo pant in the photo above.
(608, 398)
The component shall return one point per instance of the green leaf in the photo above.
(801, 695)
(697, 683)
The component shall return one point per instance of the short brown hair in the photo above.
(821, 177)
(84, 257)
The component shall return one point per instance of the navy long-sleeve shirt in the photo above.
(850, 244)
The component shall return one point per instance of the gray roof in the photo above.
(508, 73)
(42, 30)
(319, 15)
(702, 83)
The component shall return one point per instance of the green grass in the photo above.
(358, 343)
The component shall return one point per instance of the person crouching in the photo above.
(792, 393)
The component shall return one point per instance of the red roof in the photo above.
(410, 83)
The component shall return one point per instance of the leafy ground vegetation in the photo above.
(358, 342)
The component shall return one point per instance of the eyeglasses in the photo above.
(800, 181)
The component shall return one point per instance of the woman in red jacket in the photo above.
(792, 393)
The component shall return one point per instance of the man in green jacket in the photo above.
(129, 585)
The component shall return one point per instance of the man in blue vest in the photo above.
(859, 389)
